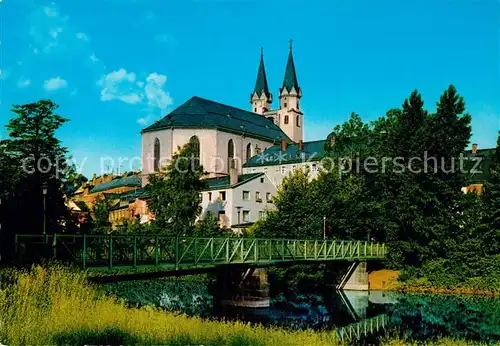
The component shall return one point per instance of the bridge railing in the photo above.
(145, 250)
(364, 328)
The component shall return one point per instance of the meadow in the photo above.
(55, 305)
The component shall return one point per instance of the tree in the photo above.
(32, 157)
(208, 226)
(100, 211)
(296, 214)
(489, 229)
(175, 193)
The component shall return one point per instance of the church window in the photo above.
(297, 121)
(230, 154)
(286, 119)
(195, 143)
(298, 104)
(156, 154)
(249, 152)
(285, 105)
(255, 110)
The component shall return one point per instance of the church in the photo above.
(237, 147)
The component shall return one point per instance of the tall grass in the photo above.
(55, 305)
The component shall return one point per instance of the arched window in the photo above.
(195, 143)
(297, 121)
(156, 153)
(286, 119)
(230, 154)
(249, 151)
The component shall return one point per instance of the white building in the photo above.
(238, 201)
(223, 134)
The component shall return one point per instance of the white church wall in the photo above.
(240, 145)
(213, 148)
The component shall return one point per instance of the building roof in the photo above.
(129, 195)
(131, 181)
(222, 183)
(290, 82)
(311, 151)
(482, 171)
(201, 113)
(261, 86)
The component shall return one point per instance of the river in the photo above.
(306, 303)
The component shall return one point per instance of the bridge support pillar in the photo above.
(243, 287)
(356, 278)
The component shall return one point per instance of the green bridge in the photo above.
(141, 251)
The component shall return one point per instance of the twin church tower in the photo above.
(288, 116)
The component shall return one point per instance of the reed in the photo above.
(55, 305)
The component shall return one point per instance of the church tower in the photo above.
(290, 116)
(261, 99)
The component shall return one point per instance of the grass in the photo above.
(56, 305)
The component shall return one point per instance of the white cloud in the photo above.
(123, 86)
(23, 83)
(157, 97)
(55, 83)
(119, 85)
(4, 74)
(144, 120)
(50, 11)
(82, 36)
(54, 32)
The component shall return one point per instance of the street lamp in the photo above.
(238, 208)
(44, 192)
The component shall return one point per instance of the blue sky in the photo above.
(115, 66)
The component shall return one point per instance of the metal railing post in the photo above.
(84, 251)
(110, 251)
(157, 254)
(135, 252)
(195, 251)
(54, 246)
(176, 253)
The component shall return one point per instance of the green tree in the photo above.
(100, 212)
(175, 194)
(489, 229)
(32, 157)
(295, 215)
(208, 226)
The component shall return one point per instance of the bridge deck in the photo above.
(140, 251)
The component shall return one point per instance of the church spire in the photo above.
(261, 82)
(290, 81)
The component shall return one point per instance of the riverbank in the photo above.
(57, 306)
(388, 280)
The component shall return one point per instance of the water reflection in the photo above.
(254, 297)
